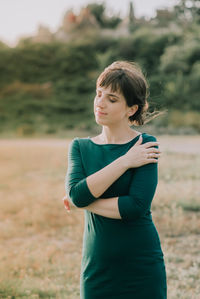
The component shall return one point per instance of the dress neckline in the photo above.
(106, 144)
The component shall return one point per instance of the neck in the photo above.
(117, 135)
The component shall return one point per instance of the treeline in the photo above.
(47, 87)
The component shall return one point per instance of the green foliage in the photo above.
(188, 10)
(179, 67)
(98, 11)
(3, 45)
(50, 86)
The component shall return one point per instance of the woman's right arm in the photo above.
(82, 190)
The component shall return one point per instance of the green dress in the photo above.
(121, 258)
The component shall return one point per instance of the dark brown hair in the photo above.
(127, 78)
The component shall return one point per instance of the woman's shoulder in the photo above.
(77, 141)
(80, 139)
(148, 137)
(77, 144)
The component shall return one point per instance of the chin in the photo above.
(100, 121)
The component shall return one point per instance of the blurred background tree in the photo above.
(99, 12)
(48, 80)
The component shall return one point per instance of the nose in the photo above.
(100, 101)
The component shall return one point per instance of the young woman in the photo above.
(113, 177)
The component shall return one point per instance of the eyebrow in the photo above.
(113, 95)
(110, 94)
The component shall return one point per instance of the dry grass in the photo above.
(40, 248)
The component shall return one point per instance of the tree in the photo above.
(131, 17)
(98, 10)
(188, 10)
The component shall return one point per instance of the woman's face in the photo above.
(110, 107)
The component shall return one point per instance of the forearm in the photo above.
(101, 180)
(107, 207)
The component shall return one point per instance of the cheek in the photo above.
(95, 104)
(119, 112)
(117, 109)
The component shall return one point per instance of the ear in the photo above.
(132, 110)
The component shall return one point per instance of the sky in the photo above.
(21, 17)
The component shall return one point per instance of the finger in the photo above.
(151, 161)
(67, 207)
(65, 198)
(66, 202)
(153, 150)
(139, 141)
(150, 144)
(153, 155)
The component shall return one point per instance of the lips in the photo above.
(100, 113)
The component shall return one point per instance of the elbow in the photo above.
(73, 198)
(131, 208)
(133, 215)
(80, 194)
(76, 199)
(76, 202)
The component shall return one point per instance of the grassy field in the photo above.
(40, 243)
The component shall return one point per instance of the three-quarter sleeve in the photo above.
(141, 191)
(75, 180)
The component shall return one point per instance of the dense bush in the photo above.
(48, 86)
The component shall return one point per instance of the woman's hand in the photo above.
(66, 203)
(141, 154)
